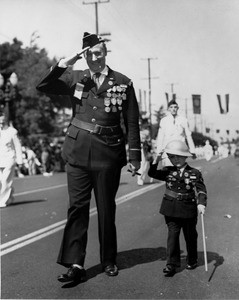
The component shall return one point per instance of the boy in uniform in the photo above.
(184, 197)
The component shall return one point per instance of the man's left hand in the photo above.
(134, 166)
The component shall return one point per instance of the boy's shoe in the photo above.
(111, 270)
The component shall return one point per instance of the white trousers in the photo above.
(143, 178)
(6, 180)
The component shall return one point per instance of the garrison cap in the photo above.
(172, 102)
(90, 40)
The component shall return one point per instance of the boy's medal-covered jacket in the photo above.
(183, 191)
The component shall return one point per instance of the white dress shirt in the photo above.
(103, 74)
(174, 128)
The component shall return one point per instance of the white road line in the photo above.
(217, 159)
(31, 235)
(41, 190)
(46, 231)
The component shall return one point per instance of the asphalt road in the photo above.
(31, 232)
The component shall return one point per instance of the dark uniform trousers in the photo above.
(81, 181)
(179, 207)
(173, 245)
(94, 150)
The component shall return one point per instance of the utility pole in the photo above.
(96, 12)
(172, 88)
(186, 107)
(145, 102)
(149, 80)
(140, 100)
(172, 84)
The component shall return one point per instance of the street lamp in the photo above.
(8, 92)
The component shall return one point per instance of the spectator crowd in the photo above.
(42, 158)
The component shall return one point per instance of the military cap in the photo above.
(177, 147)
(90, 40)
(172, 102)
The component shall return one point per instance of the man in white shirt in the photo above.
(173, 127)
(10, 154)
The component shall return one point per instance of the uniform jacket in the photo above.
(174, 129)
(114, 98)
(10, 147)
(190, 183)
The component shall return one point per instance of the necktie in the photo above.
(96, 78)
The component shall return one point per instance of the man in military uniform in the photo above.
(185, 194)
(173, 127)
(94, 150)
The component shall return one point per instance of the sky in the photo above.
(191, 46)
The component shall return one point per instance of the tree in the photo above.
(9, 54)
(32, 112)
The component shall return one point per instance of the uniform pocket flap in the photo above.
(114, 140)
(72, 131)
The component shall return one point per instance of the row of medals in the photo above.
(186, 180)
(115, 95)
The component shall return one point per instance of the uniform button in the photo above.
(94, 107)
(93, 120)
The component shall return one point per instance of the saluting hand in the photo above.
(157, 158)
(71, 60)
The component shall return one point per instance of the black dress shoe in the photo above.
(111, 270)
(169, 271)
(191, 267)
(73, 274)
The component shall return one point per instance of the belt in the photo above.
(180, 196)
(95, 128)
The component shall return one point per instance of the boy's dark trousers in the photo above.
(173, 245)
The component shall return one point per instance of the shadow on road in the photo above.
(27, 202)
(211, 256)
(218, 261)
(130, 258)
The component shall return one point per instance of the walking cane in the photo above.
(204, 243)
